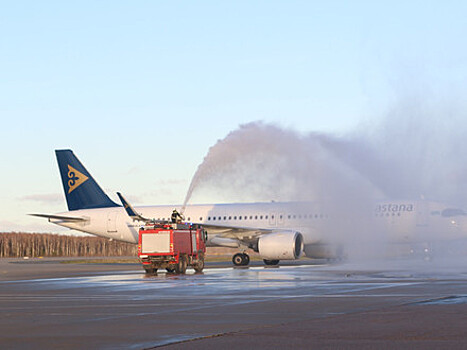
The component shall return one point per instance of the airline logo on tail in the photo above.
(75, 179)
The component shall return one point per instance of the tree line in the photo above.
(16, 245)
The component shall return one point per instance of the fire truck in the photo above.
(173, 246)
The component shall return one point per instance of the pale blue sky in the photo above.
(127, 85)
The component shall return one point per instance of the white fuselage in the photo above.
(400, 221)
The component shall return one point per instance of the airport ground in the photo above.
(392, 304)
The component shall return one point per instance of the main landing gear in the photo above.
(271, 262)
(241, 259)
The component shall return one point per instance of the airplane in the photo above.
(276, 230)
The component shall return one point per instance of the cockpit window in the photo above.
(453, 212)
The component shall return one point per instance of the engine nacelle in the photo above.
(281, 246)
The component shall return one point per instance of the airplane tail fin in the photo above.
(81, 190)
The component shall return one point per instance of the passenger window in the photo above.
(240, 217)
(256, 217)
(209, 218)
(213, 218)
(219, 218)
(288, 216)
(230, 218)
(235, 218)
(266, 217)
(251, 217)
(261, 217)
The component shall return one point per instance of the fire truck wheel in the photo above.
(150, 270)
(182, 265)
(199, 266)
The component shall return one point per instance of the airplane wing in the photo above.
(61, 217)
(229, 236)
(235, 231)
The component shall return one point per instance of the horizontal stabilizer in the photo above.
(61, 217)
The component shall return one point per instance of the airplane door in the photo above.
(112, 221)
(272, 219)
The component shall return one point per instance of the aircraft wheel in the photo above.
(170, 269)
(241, 259)
(271, 262)
(237, 259)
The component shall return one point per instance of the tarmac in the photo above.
(391, 304)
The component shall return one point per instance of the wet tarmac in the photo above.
(396, 304)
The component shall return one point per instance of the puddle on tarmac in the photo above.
(452, 299)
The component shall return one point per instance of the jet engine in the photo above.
(281, 245)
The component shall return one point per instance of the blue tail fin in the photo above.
(81, 190)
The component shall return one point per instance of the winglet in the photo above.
(129, 209)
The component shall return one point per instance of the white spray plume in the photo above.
(418, 150)
(262, 161)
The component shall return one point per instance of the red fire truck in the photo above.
(172, 246)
